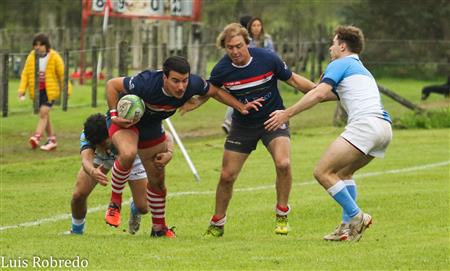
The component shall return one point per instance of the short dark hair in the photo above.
(352, 36)
(43, 40)
(95, 128)
(176, 63)
(244, 20)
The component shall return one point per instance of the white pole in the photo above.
(183, 150)
(105, 28)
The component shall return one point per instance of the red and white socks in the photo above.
(218, 221)
(119, 179)
(281, 210)
(157, 203)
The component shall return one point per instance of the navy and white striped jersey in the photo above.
(256, 79)
(159, 105)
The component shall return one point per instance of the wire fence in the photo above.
(92, 66)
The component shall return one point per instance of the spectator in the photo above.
(258, 38)
(51, 80)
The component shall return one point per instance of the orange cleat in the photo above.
(112, 216)
(165, 232)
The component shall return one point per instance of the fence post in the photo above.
(164, 51)
(36, 82)
(155, 47)
(66, 79)
(4, 86)
(123, 52)
(144, 63)
(94, 76)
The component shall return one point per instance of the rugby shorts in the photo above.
(244, 139)
(371, 135)
(137, 170)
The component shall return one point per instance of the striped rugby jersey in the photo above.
(149, 86)
(256, 79)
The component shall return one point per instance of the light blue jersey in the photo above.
(356, 88)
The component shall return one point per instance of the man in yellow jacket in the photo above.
(51, 80)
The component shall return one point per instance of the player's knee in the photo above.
(227, 177)
(319, 173)
(126, 157)
(283, 166)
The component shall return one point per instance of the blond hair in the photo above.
(230, 31)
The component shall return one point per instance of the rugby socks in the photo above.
(351, 188)
(157, 203)
(78, 225)
(282, 210)
(119, 178)
(218, 220)
(340, 193)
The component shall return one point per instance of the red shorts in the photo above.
(143, 142)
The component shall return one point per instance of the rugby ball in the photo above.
(131, 107)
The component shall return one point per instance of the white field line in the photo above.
(249, 189)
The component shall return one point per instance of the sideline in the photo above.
(249, 189)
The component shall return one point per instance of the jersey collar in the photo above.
(165, 93)
(243, 66)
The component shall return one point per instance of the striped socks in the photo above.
(119, 179)
(157, 203)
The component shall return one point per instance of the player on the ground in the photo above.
(97, 157)
(162, 92)
(367, 134)
(250, 74)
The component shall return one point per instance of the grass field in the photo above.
(407, 193)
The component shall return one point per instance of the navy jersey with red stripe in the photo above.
(159, 105)
(254, 80)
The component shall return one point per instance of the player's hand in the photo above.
(162, 159)
(256, 104)
(99, 176)
(22, 97)
(277, 118)
(121, 122)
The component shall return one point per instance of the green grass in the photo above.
(410, 208)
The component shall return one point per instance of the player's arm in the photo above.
(87, 162)
(301, 83)
(193, 103)
(163, 158)
(226, 98)
(321, 93)
(113, 89)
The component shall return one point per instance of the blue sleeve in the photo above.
(335, 72)
(199, 85)
(84, 143)
(282, 71)
(269, 45)
(215, 79)
(135, 84)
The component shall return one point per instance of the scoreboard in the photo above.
(179, 10)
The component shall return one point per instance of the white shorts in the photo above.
(370, 135)
(137, 170)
